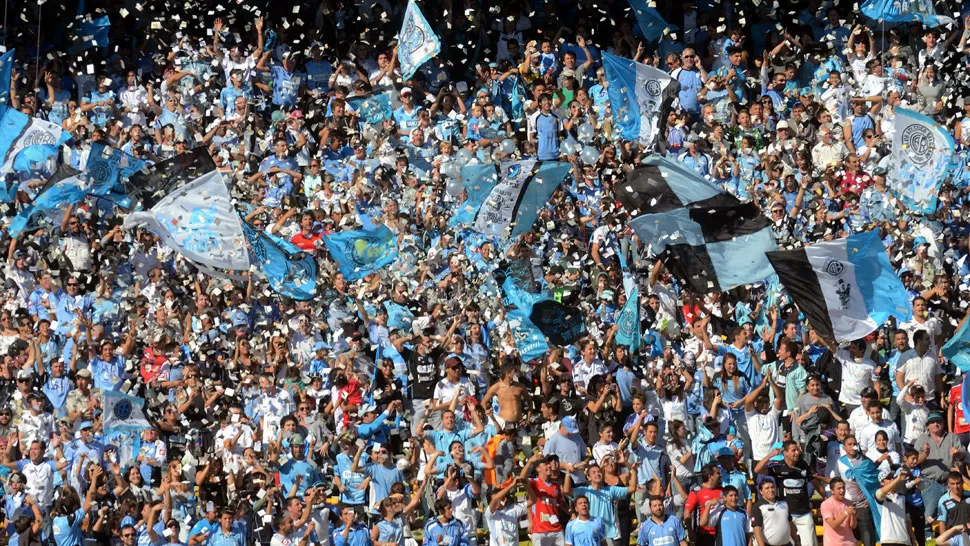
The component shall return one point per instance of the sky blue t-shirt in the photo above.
(67, 529)
(669, 533)
(601, 505)
(286, 86)
(547, 136)
(590, 532)
(733, 527)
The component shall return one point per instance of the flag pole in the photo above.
(40, 17)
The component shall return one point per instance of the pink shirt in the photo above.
(835, 536)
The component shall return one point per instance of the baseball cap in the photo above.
(570, 424)
(725, 452)
(405, 90)
(84, 373)
(296, 114)
(86, 424)
(297, 440)
(781, 125)
(934, 417)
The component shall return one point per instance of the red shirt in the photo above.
(855, 182)
(960, 424)
(545, 511)
(151, 365)
(698, 499)
(305, 243)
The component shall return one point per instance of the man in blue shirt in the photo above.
(298, 466)
(108, 368)
(691, 77)
(733, 73)
(444, 530)
(204, 529)
(278, 171)
(661, 529)
(732, 523)
(406, 116)
(600, 498)
(373, 426)
(584, 530)
(318, 70)
(227, 98)
(545, 130)
(351, 533)
(100, 104)
(739, 348)
(286, 80)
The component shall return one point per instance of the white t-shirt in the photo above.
(321, 524)
(40, 481)
(764, 431)
(894, 529)
(855, 377)
(503, 526)
(463, 501)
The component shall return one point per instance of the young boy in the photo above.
(914, 499)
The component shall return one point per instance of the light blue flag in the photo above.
(35, 160)
(69, 191)
(904, 11)
(478, 181)
(957, 350)
(360, 253)
(651, 24)
(520, 298)
(92, 33)
(124, 413)
(513, 205)
(6, 66)
(398, 316)
(417, 42)
(529, 340)
(367, 215)
(25, 138)
(108, 168)
(290, 271)
(921, 157)
(636, 92)
(372, 108)
(628, 321)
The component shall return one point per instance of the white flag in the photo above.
(123, 413)
(199, 221)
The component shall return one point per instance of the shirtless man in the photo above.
(510, 395)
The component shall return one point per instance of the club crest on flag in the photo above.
(412, 37)
(918, 144)
(122, 409)
(834, 268)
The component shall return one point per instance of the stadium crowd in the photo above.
(396, 408)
